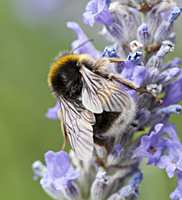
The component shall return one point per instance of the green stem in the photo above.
(143, 17)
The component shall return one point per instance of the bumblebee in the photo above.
(92, 104)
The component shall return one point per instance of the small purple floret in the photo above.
(52, 113)
(97, 10)
(60, 172)
(174, 14)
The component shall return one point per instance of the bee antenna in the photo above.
(91, 39)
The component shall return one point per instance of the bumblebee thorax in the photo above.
(64, 76)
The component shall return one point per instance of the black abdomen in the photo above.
(104, 122)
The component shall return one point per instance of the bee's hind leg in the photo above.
(130, 85)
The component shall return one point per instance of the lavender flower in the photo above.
(97, 10)
(105, 175)
(144, 35)
(52, 113)
(151, 146)
(60, 173)
(174, 14)
(177, 194)
(88, 47)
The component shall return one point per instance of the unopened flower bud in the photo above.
(143, 116)
(153, 21)
(99, 185)
(109, 53)
(117, 31)
(72, 192)
(136, 178)
(136, 46)
(163, 31)
(130, 24)
(138, 1)
(128, 190)
(52, 192)
(115, 156)
(173, 38)
(144, 101)
(166, 47)
(154, 88)
(155, 62)
(151, 2)
(175, 13)
(156, 116)
(136, 58)
(167, 76)
(166, 5)
(39, 169)
(151, 76)
(144, 35)
(172, 109)
(175, 62)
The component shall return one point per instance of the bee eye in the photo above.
(78, 65)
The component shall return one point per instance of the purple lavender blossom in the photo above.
(60, 173)
(176, 89)
(151, 146)
(144, 35)
(136, 57)
(52, 113)
(171, 161)
(172, 109)
(87, 48)
(134, 73)
(177, 193)
(109, 53)
(97, 10)
(163, 31)
(174, 14)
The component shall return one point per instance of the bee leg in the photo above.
(130, 85)
(65, 141)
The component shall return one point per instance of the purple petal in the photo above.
(145, 141)
(170, 170)
(97, 10)
(88, 18)
(103, 16)
(138, 75)
(163, 161)
(52, 113)
(176, 89)
(128, 69)
(140, 152)
(87, 48)
(171, 130)
(46, 179)
(57, 163)
(72, 174)
(179, 173)
(176, 194)
(60, 183)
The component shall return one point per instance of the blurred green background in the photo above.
(32, 33)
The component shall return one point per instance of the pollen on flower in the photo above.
(153, 149)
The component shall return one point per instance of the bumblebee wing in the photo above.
(77, 124)
(100, 94)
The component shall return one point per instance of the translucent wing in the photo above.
(77, 125)
(100, 94)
